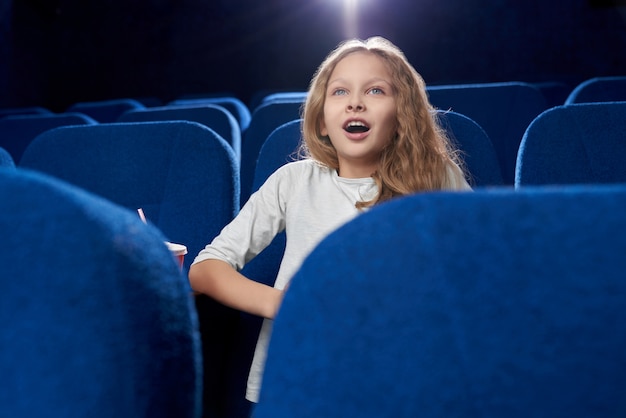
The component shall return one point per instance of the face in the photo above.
(359, 112)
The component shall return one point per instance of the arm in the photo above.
(223, 283)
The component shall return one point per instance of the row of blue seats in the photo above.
(189, 189)
(597, 89)
(501, 302)
(167, 216)
(601, 121)
(503, 110)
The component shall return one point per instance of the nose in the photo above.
(355, 105)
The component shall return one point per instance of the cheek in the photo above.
(392, 124)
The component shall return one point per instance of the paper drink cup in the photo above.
(178, 251)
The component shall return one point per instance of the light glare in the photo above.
(350, 18)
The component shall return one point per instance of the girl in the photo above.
(370, 135)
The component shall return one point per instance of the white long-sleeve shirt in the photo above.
(308, 201)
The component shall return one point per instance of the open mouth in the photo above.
(356, 127)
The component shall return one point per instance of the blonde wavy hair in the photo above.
(419, 158)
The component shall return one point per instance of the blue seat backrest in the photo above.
(97, 319)
(265, 119)
(6, 161)
(282, 147)
(180, 173)
(503, 110)
(185, 178)
(212, 116)
(16, 132)
(599, 89)
(489, 304)
(106, 111)
(477, 151)
(234, 105)
(581, 143)
(285, 96)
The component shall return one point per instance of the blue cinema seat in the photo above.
(503, 110)
(17, 131)
(477, 150)
(285, 96)
(496, 303)
(97, 319)
(212, 116)
(6, 161)
(578, 143)
(599, 89)
(281, 147)
(106, 111)
(183, 175)
(232, 104)
(265, 118)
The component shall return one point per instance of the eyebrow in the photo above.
(370, 81)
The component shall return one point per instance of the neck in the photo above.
(355, 172)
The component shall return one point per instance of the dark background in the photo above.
(54, 53)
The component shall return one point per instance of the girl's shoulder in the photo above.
(305, 167)
(297, 176)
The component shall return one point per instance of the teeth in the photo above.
(356, 126)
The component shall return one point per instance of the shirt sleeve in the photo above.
(256, 225)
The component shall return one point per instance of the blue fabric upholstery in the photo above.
(265, 119)
(280, 148)
(105, 111)
(498, 303)
(234, 105)
(212, 116)
(477, 151)
(185, 178)
(16, 132)
(97, 319)
(259, 96)
(581, 143)
(599, 89)
(503, 110)
(6, 161)
(285, 96)
(181, 173)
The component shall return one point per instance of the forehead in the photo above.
(361, 64)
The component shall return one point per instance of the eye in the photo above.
(339, 92)
(376, 90)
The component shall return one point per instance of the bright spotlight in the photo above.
(350, 18)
